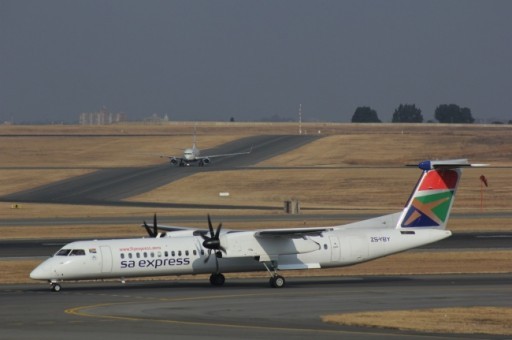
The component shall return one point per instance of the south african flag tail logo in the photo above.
(431, 202)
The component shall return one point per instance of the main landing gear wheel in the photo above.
(217, 279)
(277, 281)
(55, 287)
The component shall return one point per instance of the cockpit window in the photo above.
(70, 252)
(63, 252)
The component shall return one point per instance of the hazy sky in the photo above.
(212, 60)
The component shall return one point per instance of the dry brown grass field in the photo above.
(472, 320)
(342, 171)
(37, 155)
(345, 177)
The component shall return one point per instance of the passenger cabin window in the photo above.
(63, 252)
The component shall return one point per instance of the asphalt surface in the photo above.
(241, 309)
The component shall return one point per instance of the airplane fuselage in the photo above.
(191, 154)
(180, 255)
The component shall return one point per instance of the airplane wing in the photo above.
(290, 232)
(171, 157)
(162, 230)
(171, 228)
(268, 245)
(266, 233)
(178, 158)
(194, 231)
(226, 154)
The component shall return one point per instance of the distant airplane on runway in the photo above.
(180, 250)
(193, 154)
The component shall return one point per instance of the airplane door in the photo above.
(335, 248)
(106, 259)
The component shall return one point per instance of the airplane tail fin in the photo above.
(195, 137)
(431, 201)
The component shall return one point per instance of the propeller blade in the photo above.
(210, 226)
(212, 243)
(148, 229)
(218, 231)
(155, 226)
(208, 257)
(216, 260)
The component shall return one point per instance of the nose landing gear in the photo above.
(55, 287)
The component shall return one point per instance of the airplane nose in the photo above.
(37, 274)
(41, 272)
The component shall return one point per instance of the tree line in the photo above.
(409, 113)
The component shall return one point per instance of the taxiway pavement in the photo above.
(242, 309)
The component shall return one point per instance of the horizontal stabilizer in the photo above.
(446, 164)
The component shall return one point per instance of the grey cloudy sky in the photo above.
(212, 60)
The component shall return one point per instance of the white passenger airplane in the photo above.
(193, 154)
(183, 250)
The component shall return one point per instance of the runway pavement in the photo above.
(110, 186)
(242, 309)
